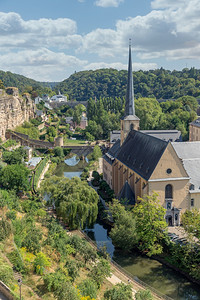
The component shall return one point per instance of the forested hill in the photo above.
(104, 83)
(25, 84)
(160, 83)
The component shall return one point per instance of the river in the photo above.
(150, 271)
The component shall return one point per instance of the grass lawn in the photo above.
(69, 142)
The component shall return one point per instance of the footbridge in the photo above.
(37, 144)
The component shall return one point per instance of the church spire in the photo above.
(130, 107)
(130, 121)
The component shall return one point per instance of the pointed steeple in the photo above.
(130, 121)
(130, 106)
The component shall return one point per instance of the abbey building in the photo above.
(141, 163)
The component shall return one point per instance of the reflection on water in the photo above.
(152, 272)
(72, 161)
(71, 167)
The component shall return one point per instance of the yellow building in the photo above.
(194, 131)
(139, 163)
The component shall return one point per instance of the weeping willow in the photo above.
(75, 201)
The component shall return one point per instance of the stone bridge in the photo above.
(26, 141)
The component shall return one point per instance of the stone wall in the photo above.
(14, 109)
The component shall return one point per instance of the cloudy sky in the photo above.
(48, 40)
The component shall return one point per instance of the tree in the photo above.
(191, 221)
(144, 295)
(88, 287)
(149, 112)
(100, 271)
(118, 292)
(32, 239)
(41, 262)
(123, 233)
(58, 151)
(96, 154)
(5, 229)
(1, 85)
(150, 224)
(55, 281)
(74, 200)
(14, 177)
(51, 131)
(6, 272)
(72, 267)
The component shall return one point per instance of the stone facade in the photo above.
(194, 131)
(14, 109)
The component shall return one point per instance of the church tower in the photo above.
(130, 121)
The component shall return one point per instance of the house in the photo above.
(194, 130)
(38, 100)
(143, 162)
(33, 162)
(58, 98)
(42, 115)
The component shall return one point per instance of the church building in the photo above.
(140, 163)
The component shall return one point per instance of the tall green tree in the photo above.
(123, 233)
(191, 221)
(150, 224)
(14, 177)
(74, 200)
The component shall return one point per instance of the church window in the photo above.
(176, 217)
(169, 205)
(192, 202)
(131, 127)
(168, 192)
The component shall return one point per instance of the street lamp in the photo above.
(19, 281)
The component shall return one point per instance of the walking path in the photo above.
(42, 175)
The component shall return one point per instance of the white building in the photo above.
(59, 98)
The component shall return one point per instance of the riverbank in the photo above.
(175, 268)
(118, 275)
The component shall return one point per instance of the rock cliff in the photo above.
(14, 109)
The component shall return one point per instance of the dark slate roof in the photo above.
(165, 135)
(196, 122)
(141, 153)
(127, 193)
(112, 152)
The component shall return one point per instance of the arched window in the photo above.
(168, 192)
(131, 127)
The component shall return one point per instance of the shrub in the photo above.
(5, 229)
(144, 295)
(41, 262)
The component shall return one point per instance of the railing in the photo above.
(128, 275)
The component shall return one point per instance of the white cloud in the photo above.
(174, 26)
(41, 64)
(162, 4)
(108, 3)
(15, 32)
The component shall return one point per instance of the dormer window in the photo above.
(192, 187)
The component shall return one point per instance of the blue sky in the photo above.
(48, 40)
